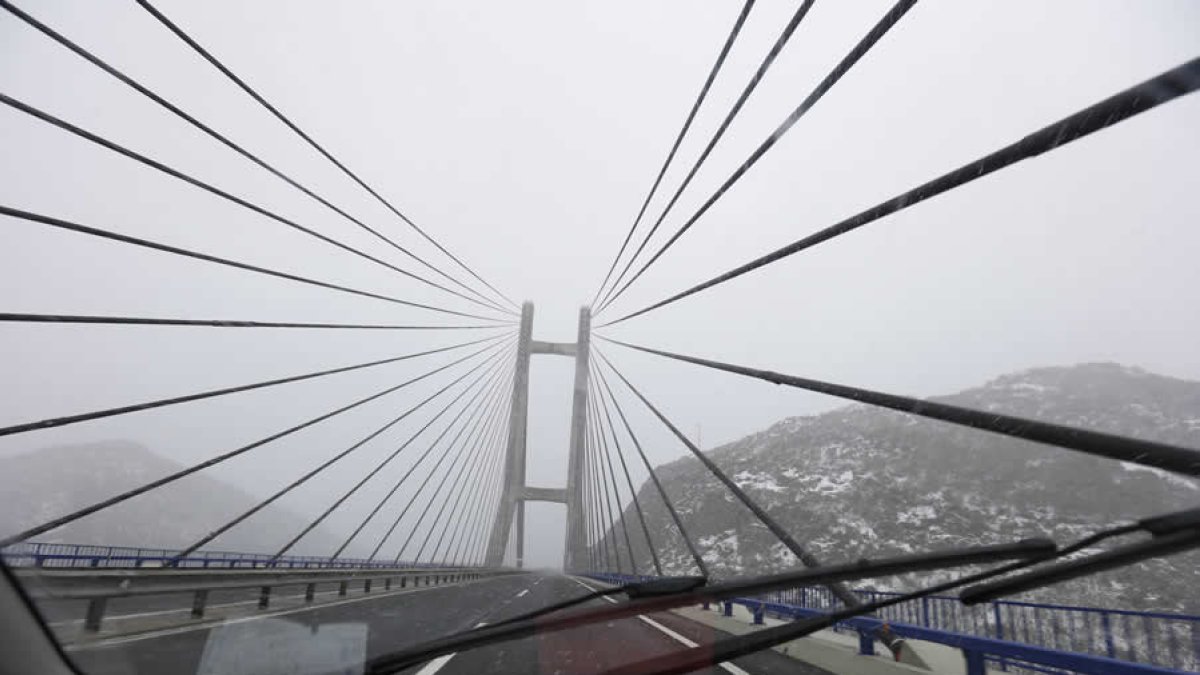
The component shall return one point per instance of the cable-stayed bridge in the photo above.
(444, 586)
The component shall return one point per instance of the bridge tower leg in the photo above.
(515, 492)
(576, 549)
(514, 464)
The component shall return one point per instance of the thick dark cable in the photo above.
(16, 317)
(476, 507)
(808, 559)
(1162, 88)
(611, 478)
(381, 465)
(301, 480)
(486, 410)
(662, 493)
(1174, 458)
(880, 29)
(170, 107)
(207, 187)
(174, 250)
(492, 368)
(625, 469)
(66, 420)
(473, 406)
(129, 494)
(488, 441)
(763, 67)
(179, 32)
(687, 124)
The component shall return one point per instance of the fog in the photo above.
(523, 136)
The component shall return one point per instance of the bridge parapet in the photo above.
(1004, 635)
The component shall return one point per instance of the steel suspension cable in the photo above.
(188, 253)
(588, 530)
(475, 551)
(763, 67)
(687, 124)
(603, 495)
(890, 19)
(591, 529)
(808, 559)
(387, 460)
(67, 420)
(472, 470)
(480, 446)
(598, 543)
(611, 478)
(494, 363)
(479, 500)
(182, 35)
(662, 493)
(488, 409)
(477, 506)
(130, 494)
(224, 140)
(475, 405)
(637, 504)
(1165, 87)
(300, 481)
(207, 187)
(17, 317)
(1173, 458)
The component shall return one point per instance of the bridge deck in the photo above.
(402, 619)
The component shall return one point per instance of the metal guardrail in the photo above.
(36, 554)
(1009, 635)
(97, 587)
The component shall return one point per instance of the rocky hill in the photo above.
(865, 481)
(40, 485)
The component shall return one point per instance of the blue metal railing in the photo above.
(1010, 635)
(33, 554)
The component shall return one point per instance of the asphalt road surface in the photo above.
(288, 636)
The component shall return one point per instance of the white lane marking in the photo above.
(437, 664)
(523, 593)
(727, 667)
(149, 635)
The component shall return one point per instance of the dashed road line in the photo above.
(726, 666)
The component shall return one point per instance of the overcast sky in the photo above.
(524, 135)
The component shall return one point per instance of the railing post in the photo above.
(367, 586)
(976, 665)
(728, 608)
(866, 643)
(403, 581)
(95, 614)
(310, 591)
(199, 602)
(999, 631)
(342, 587)
(758, 614)
(387, 584)
(264, 597)
(925, 613)
(1106, 626)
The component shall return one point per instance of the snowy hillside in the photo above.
(863, 481)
